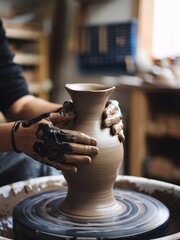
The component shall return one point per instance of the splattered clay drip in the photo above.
(141, 217)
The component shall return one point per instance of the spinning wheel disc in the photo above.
(39, 217)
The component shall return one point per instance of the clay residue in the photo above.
(12, 194)
(169, 198)
(11, 197)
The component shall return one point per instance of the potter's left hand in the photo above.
(112, 117)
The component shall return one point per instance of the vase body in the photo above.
(90, 190)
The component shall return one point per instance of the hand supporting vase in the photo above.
(90, 190)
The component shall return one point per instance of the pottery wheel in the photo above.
(142, 217)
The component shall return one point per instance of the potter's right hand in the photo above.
(62, 149)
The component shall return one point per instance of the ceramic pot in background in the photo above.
(90, 190)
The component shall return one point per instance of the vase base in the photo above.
(39, 217)
(93, 212)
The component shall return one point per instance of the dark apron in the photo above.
(18, 166)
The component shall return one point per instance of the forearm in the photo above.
(29, 106)
(5, 137)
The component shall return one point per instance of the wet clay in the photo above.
(141, 216)
(12, 194)
(169, 193)
(90, 208)
(90, 199)
(90, 190)
(164, 192)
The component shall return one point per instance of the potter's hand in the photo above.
(64, 116)
(112, 117)
(62, 149)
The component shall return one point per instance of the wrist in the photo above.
(13, 131)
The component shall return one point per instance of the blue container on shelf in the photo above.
(107, 49)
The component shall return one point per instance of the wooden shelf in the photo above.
(22, 33)
(35, 88)
(163, 169)
(27, 59)
(31, 52)
(152, 115)
(153, 122)
(164, 129)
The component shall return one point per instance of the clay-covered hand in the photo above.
(63, 117)
(62, 149)
(112, 117)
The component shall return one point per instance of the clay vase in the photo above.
(90, 190)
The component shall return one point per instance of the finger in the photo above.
(64, 167)
(82, 138)
(109, 110)
(115, 103)
(61, 120)
(111, 107)
(64, 125)
(121, 136)
(56, 164)
(117, 128)
(84, 149)
(55, 118)
(68, 106)
(71, 162)
(77, 159)
(112, 119)
(69, 125)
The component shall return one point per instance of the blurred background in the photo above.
(132, 44)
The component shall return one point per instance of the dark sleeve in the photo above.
(12, 84)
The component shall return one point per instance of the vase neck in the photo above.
(89, 104)
(89, 100)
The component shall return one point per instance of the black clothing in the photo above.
(15, 166)
(12, 83)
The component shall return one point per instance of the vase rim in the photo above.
(89, 87)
